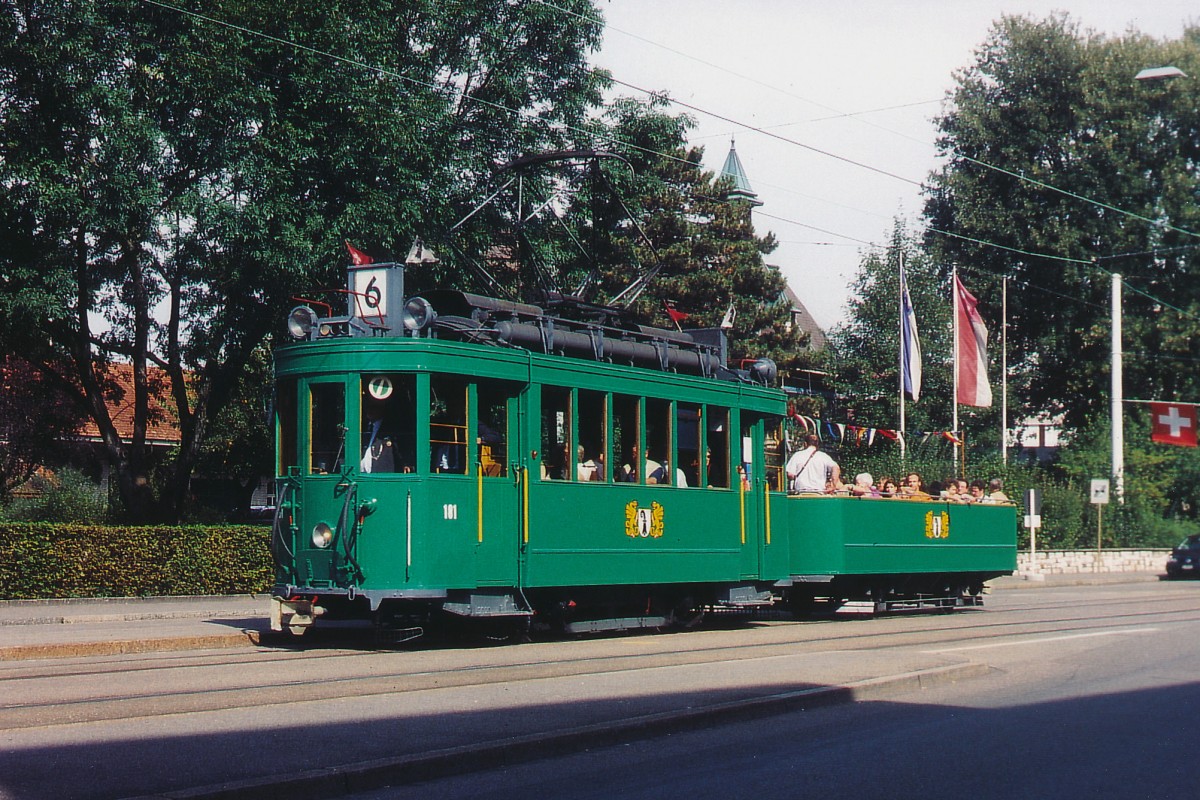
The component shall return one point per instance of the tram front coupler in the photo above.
(301, 614)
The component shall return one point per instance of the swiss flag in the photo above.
(1173, 423)
(357, 257)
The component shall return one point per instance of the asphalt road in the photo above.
(1104, 704)
(1047, 692)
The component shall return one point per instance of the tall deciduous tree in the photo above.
(1048, 105)
(169, 178)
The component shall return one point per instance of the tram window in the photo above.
(749, 462)
(773, 453)
(718, 447)
(448, 424)
(389, 424)
(687, 429)
(593, 417)
(327, 427)
(285, 415)
(556, 433)
(492, 428)
(658, 441)
(626, 431)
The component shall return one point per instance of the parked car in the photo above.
(1184, 560)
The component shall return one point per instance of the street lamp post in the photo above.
(1118, 395)
(1118, 391)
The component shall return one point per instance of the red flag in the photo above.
(973, 387)
(357, 257)
(676, 316)
(1173, 423)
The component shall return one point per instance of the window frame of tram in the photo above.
(326, 426)
(659, 441)
(774, 453)
(717, 443)
(449, 411)
(689, 418)
(626, 438)
(388, 423)
(592, 426)
(287, 426)
(555, 430)
(493, 407)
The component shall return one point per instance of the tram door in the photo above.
(497, 481)
(323, 419)
(763, 493)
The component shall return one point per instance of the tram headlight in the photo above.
(322, 535)
(418, 315)
(300, 322)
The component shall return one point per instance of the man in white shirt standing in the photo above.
(812, 470)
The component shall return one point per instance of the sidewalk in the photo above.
(75, 627)
(1025, 580)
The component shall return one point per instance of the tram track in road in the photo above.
(56, 694)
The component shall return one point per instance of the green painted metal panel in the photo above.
(863, 536)
(596, 534)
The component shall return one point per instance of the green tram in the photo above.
(458, 456)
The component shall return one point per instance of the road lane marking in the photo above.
(1121, 632)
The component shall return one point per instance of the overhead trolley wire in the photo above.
(758, 129)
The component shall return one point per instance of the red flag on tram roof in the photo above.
(676, 316)
(357, 257)
(1173, 423)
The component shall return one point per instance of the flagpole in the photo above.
(1004, 371)
(954, 311)
(900, 318)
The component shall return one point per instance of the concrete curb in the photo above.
(1041, 580)
(371, 775)
(28, 652)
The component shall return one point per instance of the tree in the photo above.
(705, 247)
(171, 179)
(1046, 105)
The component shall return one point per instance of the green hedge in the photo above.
(54, 560)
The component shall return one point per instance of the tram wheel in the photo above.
(801, 605)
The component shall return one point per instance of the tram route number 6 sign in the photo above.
(370, 286)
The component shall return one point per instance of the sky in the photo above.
(861, 81)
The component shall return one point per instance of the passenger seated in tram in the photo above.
(585, 468)
(627, 472)
(864, 486)
(913, 488)
(655, 472)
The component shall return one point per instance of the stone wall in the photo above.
(1066, 562)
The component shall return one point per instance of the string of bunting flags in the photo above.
(863, 435)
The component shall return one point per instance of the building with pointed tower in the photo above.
(741, 184)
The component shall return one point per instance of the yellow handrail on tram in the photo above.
(525, 503)
(742, 504)
(767, 507)
(479, 497)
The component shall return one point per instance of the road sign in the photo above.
(1099, 495)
